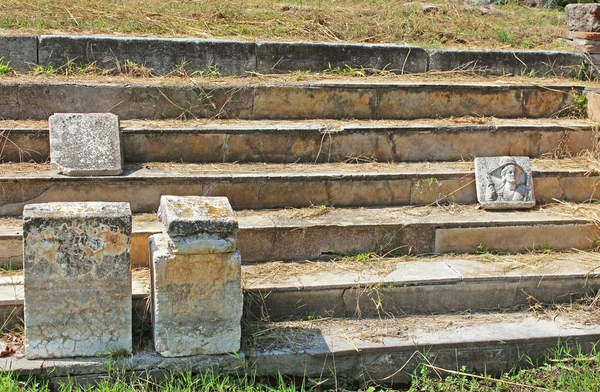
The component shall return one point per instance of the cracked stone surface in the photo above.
(76, 265)
(83, 144)
(187, 215)
(197, 300)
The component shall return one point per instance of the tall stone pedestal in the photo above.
(77, 277)
(196, 278)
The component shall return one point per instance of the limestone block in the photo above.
(197, 301)
(186, 215)
(583, 17)
(83, 144)
(202, 243)
(593, 101)
(76, 264)
(504, 182)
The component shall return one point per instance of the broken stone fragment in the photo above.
(77, 279)
(86, 144)
(188, 215)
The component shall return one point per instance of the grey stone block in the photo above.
(77, 279)
(86, 144)
(19, 51)
(197, 301)
(583, 17)
(504, 182)
(507, 62)
(273, 57)
(187, 215)
(162, 55)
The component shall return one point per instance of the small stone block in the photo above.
(202, 243)
(86, 144)
(197, 301)
(187, 215)
(77, 279)
(504, 182)
(583, 17)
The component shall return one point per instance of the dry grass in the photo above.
(373, 21)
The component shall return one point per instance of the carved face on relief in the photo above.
(509, 174)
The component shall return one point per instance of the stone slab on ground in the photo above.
(160, 55)
(19, 51)
(583, 17)
(188, 215)
(77, 279)
(197, 301)
(504, 182)
(86, 144)
(278, 57)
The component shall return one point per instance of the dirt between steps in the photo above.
(203, 123)
(431, 77)
(582, 163)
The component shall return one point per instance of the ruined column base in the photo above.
(197, 300)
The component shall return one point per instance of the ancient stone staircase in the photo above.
(364, 252)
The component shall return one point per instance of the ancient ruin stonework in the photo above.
(186, 215)
(504, 182)
(77, 277)
(196, 278)
(85, 144)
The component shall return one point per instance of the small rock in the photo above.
(430, 9)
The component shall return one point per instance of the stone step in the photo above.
(160, 98)
(264, 186)
(371, 286)
(323, 232)
(166, 55)
(322, 141)
(385, 351)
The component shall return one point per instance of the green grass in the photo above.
(564, 369)
(5, 67)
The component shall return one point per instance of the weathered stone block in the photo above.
(19, 51)
(583, 17)
(187, 215)
(275, 57)
(86, 144)
(504, 182)
(593, 101)
(501, 62)
(77, 279)
(161, 55)
(197, 301)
